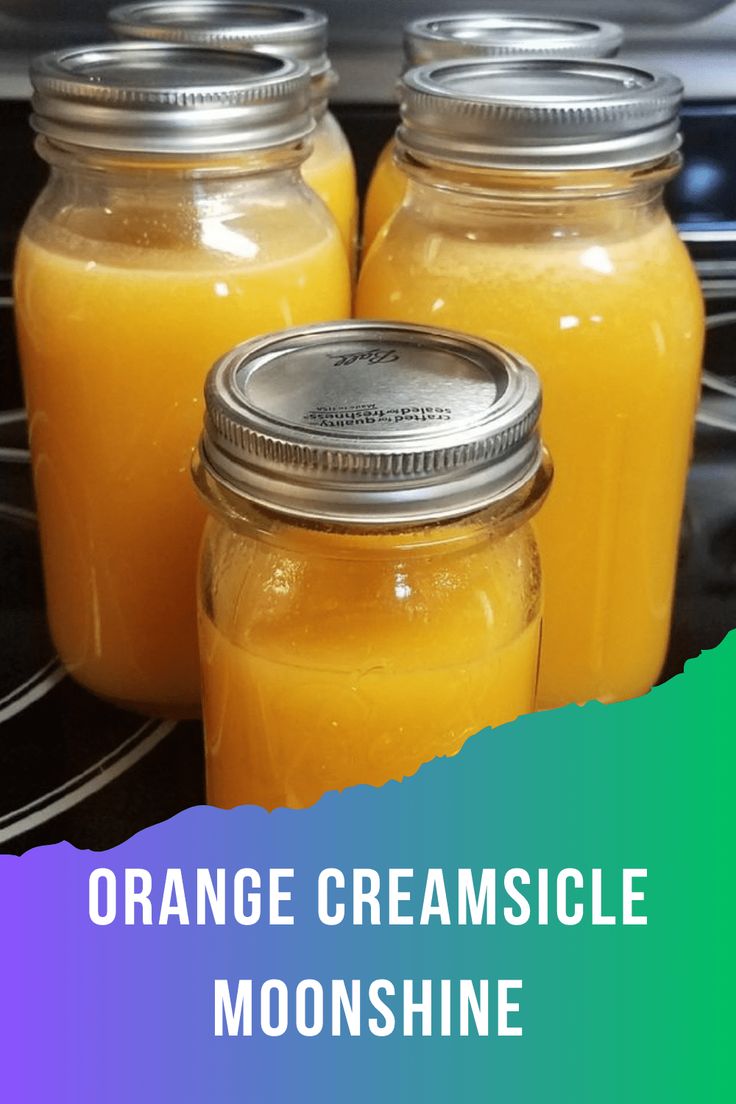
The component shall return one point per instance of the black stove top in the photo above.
(74, 768)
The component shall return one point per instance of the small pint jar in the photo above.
(369, 585)
(479, 35)
(286, 30)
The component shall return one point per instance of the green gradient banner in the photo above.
(610, 1012)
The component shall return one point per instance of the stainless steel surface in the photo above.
(372, 423)
(281, 29)
(695, 40)
(147, 97)
(539, 113)
(507, 34)
(390, 14)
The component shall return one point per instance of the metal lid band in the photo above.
(286, 30)
(146, 97)
(539, 113)
(371, 423)
(507, 34)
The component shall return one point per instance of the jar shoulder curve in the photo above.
(329, 138)
(246, 219)
(369, 595)
(414, 258)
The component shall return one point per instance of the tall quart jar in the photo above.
(369, 588)
(479, 35)
(174, 223)
(534, 218)
(285, 30)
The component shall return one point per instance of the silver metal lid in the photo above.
(147, 97)
(507, 34)
(539, 113)
(282, 29)
(371, 423)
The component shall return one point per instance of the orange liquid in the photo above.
(330, 171)
(385, 195)
(114, 354)
(615, 330)
(335, 661)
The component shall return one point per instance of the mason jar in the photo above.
(479, 35)
(369, 587)
(174, 223)
(534, 218)
(286, 30)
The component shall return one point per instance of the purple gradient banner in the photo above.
(608, 1009)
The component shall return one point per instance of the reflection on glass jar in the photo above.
(369, 580)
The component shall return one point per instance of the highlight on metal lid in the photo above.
(539, 113)
(486, 34)
(371, 423)
(150, 97)
(286, 30)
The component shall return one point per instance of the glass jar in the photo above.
(479, 35)
(172, 226)
(285, 30)
(543, 228)
(369, 588)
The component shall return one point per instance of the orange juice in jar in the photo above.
(285, 30)
(479, 35)
(536, 220)
(369, 591)
(172, 225)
